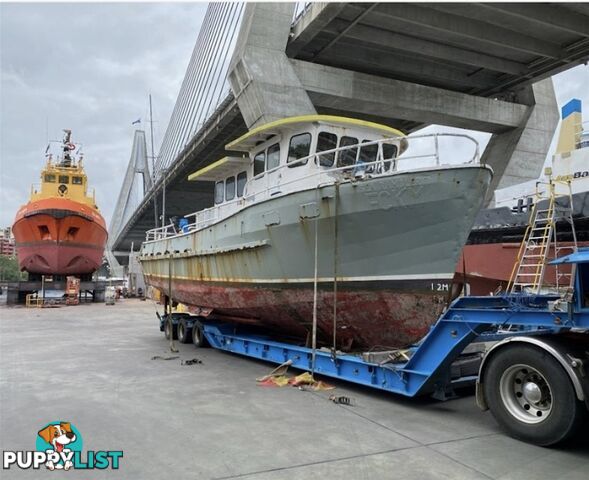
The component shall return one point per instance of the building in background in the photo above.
(7, 242)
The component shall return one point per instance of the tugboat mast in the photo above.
(68, 146)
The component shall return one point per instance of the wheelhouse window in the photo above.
(230, 188)
(77, 180)
(389, 153)
(64, 179)
(219, 191)
(299, 147)
(326, 141)
(368, 154)
(347, 157)
(241, 181)
(273, 157)
(259, 163)
(50, 178)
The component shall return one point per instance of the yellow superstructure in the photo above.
(58, 180)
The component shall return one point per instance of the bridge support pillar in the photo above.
(517, 155)
(125, 205)
(262, 78)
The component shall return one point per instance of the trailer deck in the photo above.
(533, 379)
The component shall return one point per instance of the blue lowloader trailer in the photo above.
(533, 376)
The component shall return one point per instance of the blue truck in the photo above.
(533, 376)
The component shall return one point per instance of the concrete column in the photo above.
(518, 155)
(262, 78)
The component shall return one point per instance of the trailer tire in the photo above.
(184, 332)
(170, 329)
(531, 396)
(198, 337)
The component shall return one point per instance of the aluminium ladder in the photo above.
(540, 235)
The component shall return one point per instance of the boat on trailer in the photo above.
(342, 220)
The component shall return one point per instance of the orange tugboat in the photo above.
(60, 230)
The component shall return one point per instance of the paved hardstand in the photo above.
(92, 365)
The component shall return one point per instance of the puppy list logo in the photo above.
(59, 441)
(59, 447)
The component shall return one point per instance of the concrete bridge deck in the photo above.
(474, 66)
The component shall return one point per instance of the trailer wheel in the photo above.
(198, 337)
(531, 396)
(170, 329)
(184, 333)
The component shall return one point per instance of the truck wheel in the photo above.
(531, 396)
(198, 337)
(184, 333)
(170, 329)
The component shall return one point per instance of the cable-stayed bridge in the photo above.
(478, 66)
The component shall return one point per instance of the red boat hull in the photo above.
(59, 237)
(488, 266)
(380, 318)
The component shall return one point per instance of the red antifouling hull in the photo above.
(379, 317)
(59, 237)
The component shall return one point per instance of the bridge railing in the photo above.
(425, 149)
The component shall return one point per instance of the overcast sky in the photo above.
(90, 67)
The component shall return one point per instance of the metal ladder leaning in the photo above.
(541, 233)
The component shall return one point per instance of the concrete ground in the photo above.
(92, 365)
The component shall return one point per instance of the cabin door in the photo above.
(273, 172)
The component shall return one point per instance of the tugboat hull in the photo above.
(59, 237)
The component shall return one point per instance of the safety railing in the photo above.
(161, 232)
(32, 300)
(202, 218)
(382, 165)
(311, 172)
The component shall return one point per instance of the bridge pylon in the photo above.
(136, 183)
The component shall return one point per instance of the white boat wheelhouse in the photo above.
(302, 153)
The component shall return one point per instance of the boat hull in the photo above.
(59, 237)
(388, 315)
(485, 277)
(390, 242)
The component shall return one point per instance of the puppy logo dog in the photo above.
(59, 436)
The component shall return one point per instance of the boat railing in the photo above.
(161, 233)
(202, 218)
(423, 147)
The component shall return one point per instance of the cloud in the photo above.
(572, 83)
(88, 67)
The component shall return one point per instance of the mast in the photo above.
(67, 147)
(155, 215)
(151, 137)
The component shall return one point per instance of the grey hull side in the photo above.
(407, 226)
